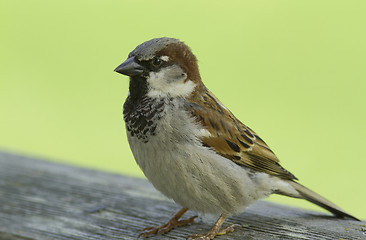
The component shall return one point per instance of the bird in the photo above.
(191, 147)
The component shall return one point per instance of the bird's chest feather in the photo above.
(164, 140)
(142, 117)
(155, 128)
(162, 137)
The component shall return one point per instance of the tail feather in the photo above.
(315, 198)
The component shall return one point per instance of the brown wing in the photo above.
(232, 139)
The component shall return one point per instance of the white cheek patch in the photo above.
(160, 87)
(169, 82)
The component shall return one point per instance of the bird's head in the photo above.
(162, 67)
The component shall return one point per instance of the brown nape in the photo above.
(181, 54)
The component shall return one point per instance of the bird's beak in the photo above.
(130, 68)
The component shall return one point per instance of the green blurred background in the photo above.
(294, 71)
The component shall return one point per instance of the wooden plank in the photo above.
(43, 200)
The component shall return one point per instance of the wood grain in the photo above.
(44, 200)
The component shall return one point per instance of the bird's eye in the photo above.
(156, 62)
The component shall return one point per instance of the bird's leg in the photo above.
(215, 230)
(172, 223)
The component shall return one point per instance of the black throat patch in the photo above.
(142, 113)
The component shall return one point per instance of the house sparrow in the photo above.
(191, 147)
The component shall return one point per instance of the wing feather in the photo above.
(232, 139)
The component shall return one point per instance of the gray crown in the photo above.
(147, 50)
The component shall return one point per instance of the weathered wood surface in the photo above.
(42, 200)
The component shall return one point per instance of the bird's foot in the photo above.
(172, 223)
(214, 231)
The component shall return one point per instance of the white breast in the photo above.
(192, 175)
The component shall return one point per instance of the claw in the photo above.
(214, 231)
(172, 223)
(229, 229)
